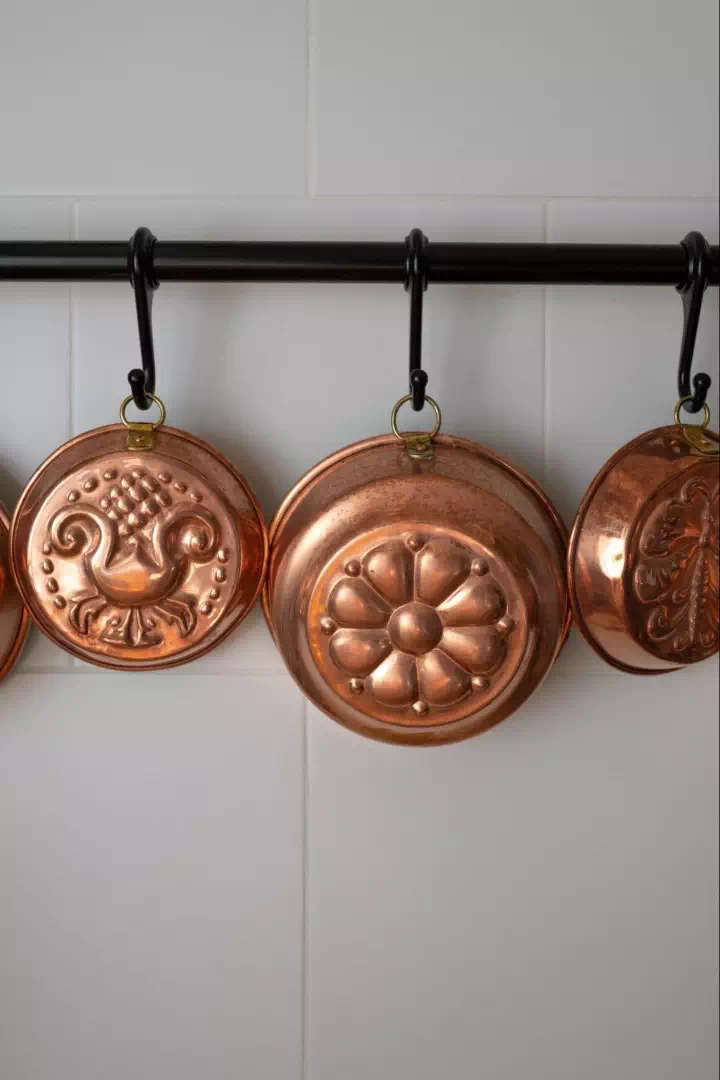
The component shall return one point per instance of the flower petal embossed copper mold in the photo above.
(138, 559)
(417, 602)
(643, 558)
(14, 619)
(418, 623)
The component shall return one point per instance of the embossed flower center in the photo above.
(415, 628)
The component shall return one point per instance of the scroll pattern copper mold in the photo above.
(138, 559)
(643, 557)
(417, 600)
(14, 619)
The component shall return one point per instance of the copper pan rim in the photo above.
(25, 621)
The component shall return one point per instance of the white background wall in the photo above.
(201, 877)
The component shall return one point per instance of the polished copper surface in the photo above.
(14, 619)
(643, 556)
(417, 601)
(138, 559)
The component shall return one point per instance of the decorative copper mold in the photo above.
(14, 619)
(643, 556)
(417, 601)
(138, 559)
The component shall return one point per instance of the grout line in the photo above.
(309, 102)
(304, 899)
(460, 196)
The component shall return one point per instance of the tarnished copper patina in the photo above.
(14, 619)
(417, 599)
(643, 556)
(138, 558)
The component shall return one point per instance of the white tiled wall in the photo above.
(202, 877)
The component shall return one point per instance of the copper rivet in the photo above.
(356, 686)
(353, 567)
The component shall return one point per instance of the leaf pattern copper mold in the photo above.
(674, 589)
(415, 627)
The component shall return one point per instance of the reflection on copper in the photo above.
(643, 557)
(138, 559)
(416, 601)
(14, 619)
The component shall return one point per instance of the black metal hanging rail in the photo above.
(539, 264)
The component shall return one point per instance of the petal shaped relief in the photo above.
(358, 652)
(441, 681)
(394, 683)
(441, 566)
(479, 649)
(389, 568)
(478, 603)
(353, 603)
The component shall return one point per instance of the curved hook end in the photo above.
(692, 291)
(142, 278)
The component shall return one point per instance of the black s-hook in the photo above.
(416, 283)
(144, 283)
(692, 291)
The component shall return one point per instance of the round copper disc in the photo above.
(14, 619)
(138, 559)
(643, 556)
(417, 601)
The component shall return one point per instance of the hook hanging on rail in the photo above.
(416, 283)
(692, 291)
(144, 283)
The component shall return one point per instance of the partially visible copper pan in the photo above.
(416, 587)
(14, 618)
(643, 557)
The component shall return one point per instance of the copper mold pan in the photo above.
(138, 559)
(643, 555)
(417, 602)
(14, 618)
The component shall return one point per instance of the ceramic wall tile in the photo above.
(151, 911)
(160, 97)
(567, 97)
